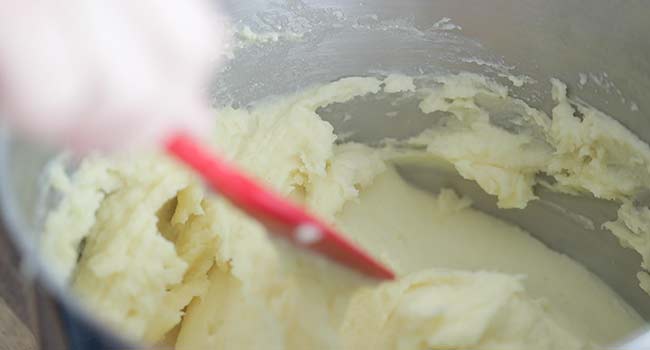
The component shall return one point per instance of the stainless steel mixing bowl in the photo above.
(599, 47)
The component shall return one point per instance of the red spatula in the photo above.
(282, 217)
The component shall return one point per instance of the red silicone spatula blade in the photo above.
(281, 216)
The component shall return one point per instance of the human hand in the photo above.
(88, 74)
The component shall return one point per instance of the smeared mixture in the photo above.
(157, 256)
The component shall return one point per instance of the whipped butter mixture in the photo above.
(157, 256)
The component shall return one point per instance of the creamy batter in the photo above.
(155, 255)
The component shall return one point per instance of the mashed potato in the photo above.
(153, 253)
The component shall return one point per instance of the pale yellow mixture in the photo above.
(162, 259)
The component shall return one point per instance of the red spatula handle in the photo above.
(278, 214)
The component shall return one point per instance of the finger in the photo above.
(188, 36)
(144, 126)
(41, 83)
